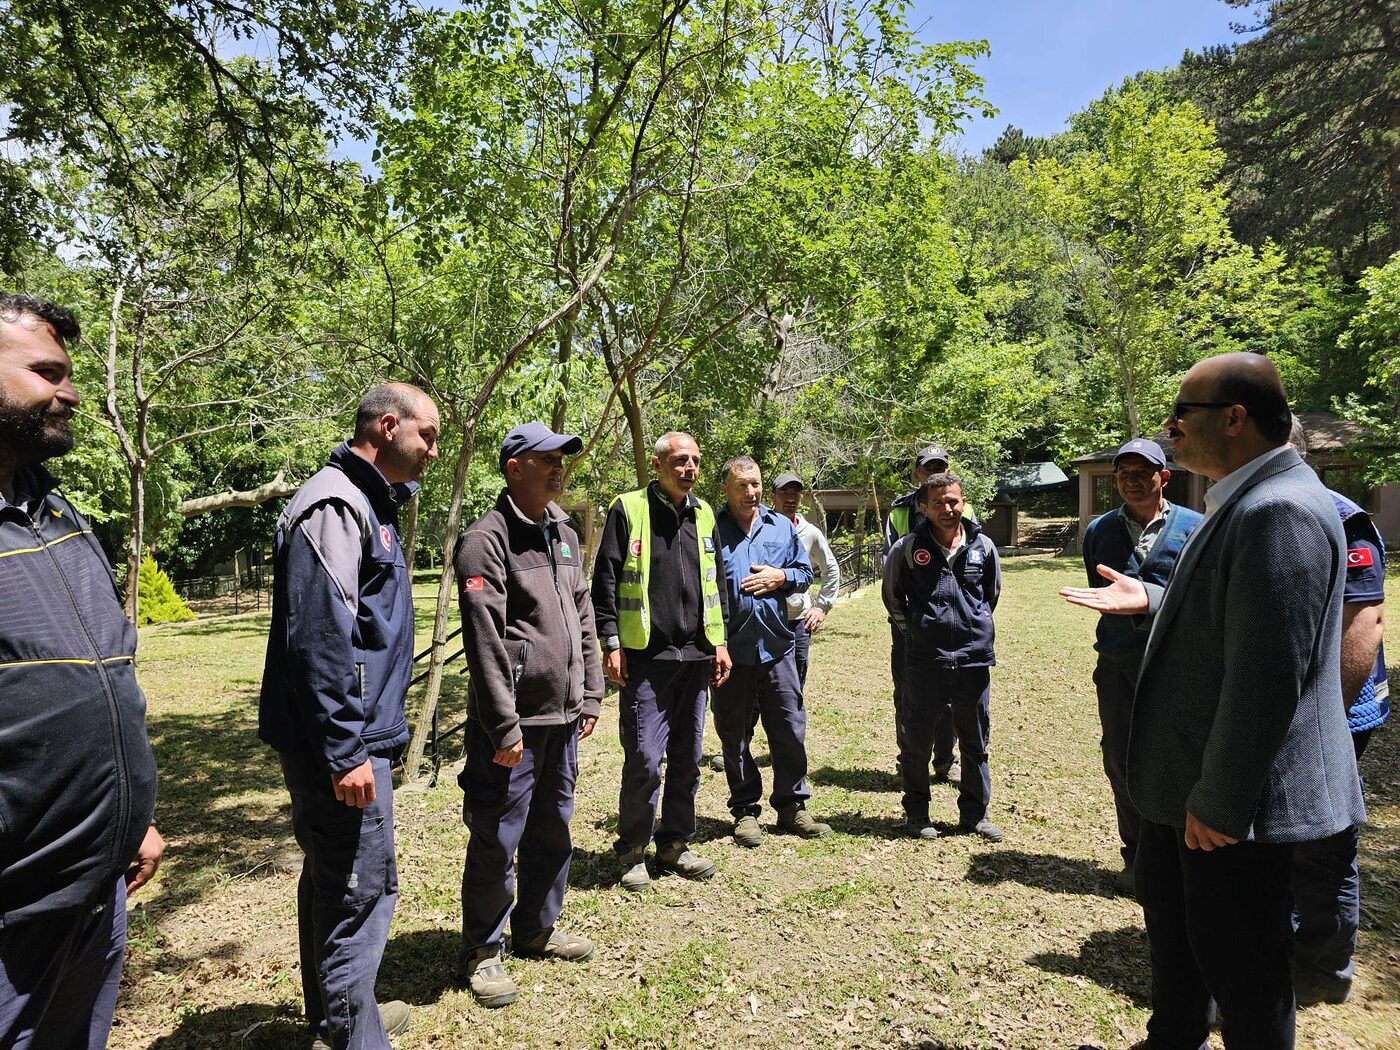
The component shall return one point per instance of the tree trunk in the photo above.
(566, 351)
(134, 539)
(277, 488)
(636, 428)
(410, 535)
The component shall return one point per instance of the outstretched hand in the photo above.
(1124, 596)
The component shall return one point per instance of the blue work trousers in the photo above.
(59, 977)
(944, 735)
(1217, 926)
(1327, 906)
(770, 693)
(661, 715)
(1115, 683)
(928, 690)
(801, 650)
(519, 822)
(345, 900)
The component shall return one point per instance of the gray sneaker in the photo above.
(678, 860)
(393, 1015)
(486, 976)
(797, 821)
(920, 828)
(635, 877)
(986, 829)
(747, 832)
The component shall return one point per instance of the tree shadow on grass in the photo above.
(593, 869)
(419, 965)
(1113, 959)
(864, 825)
(247, 1026)
(1042, 871)
(855, 779)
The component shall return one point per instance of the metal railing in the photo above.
(250, 590)
(860, 564)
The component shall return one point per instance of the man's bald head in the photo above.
(398, 399)
(1249, 380)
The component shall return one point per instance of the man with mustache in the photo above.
(1141, 539)
(79, 783)
(536, 690)
(659, 599)
(339, 657)
(1239, 746)
(764, 563)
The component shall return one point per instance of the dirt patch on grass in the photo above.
(862, 939)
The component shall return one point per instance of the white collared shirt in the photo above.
(1219, 493)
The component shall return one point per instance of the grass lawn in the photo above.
(865, 938)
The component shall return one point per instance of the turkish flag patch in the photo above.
(1360, 558)
(473, 583)
(922, 557)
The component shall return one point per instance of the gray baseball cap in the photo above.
(1148, 450)
(782, 481)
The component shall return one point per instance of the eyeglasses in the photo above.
(1180, 408)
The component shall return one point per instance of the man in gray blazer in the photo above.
(1239, 745)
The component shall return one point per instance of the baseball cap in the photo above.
(782, 481)
(536, 437)
(1148, 450)
(929, 455)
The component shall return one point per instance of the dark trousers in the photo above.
(1116, 683)
(59, 977)
(519, 821)
(944, 733)
(1327, 905)
(927, 691)
(802, 648)
(345, 900)
(661, 714)
(1217, 927)
(770, 693)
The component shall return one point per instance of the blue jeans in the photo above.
(801, 649)
(522, 809)
(661, 714)
(1327, 906)
(59, 977)
(769, 692)
(345, 900)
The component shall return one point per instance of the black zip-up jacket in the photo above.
(674, 598)
(945, 610)
(527, 623)
(77, 776)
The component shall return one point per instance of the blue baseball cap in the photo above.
(1148, 450)
(536, 437)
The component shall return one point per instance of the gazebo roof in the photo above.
(1020, 479)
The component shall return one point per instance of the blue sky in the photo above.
(1050, 57)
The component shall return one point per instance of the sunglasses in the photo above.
(1180, 408)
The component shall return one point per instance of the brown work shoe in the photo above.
(486, 976)
(678, 860)
(633, 865)
(747, 832)
(797, 821)
(555, 944)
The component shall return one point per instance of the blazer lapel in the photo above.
(1190, 558)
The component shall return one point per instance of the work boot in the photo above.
(393, 1015)
(554, 944)
(678, 860)
(920, 828)
(635, 877)
(486, 976)
(797, 821)
(717, 763)
(986, 829)
(943, 771)
(1124, 882)
(747, 832)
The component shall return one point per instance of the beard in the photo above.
(34, 434)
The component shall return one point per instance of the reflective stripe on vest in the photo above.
(633, 615)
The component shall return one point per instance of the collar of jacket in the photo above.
(386, 497)
(909, 499)
(766, 514)
(659, 494)
(971, 530)
(553, 513)
(31, 483)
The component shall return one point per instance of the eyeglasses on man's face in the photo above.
(1180, 408)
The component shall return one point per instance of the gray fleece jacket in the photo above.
(527, 622)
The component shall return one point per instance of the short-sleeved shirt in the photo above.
(1366, 584)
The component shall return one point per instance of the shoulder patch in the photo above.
(922, 556)
(472, 583)
(1360, 558)
(564, 551)
(636, 548)
(386, 538)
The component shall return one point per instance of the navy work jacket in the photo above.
(945, 610)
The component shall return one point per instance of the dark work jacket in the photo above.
(77, 777)
(1122, 639)
(340, 649)
(945, 611)
(527, 623)
(674, 600)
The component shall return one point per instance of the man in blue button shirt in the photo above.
(764, 562)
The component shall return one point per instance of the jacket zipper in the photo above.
(113, 713)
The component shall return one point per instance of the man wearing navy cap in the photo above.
(536, 690)
(1141, 539)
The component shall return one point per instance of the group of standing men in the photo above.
(1239, 678)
